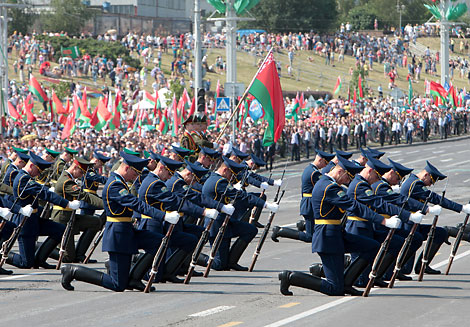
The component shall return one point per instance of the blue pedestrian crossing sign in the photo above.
(222, 104)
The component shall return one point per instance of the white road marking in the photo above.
(408, 152)
(392, 152)
(463, 151)
(441, 151)
(445, 160)
(335, 303)
(289, 225)
(467, 180)
(25, 275)
(458, 163)
(212, 311)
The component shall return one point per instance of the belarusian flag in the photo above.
(192, 109)
(410, 91)
(175, 125)
(36, 89)
(186, 103)
(69, 126)
(266, 88)
(28, 107)
(80, 110)
(452, 97)
(115, 122)
(57, 105)
(13, 113)
(337, 86)
(164, 123)
(437, 90)
(101, 115)
(359, 86)
(217, 95)
(295, 109)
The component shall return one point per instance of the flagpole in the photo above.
(242, 98)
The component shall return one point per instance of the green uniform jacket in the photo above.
(58, 168)
(67, 188)
(5, 165)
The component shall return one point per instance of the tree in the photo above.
(21, 19)
(362, 18)
(294, 15)
(66, 15)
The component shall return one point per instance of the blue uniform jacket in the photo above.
(119, 234)
(24, 183)
(330, 201)
(328, 167)
(383, 189)
(177, 185)
(421, 192)
(360, 190)
(154, 192)
(204, 178)
(92, 182)
(310, 176)
(215, 187)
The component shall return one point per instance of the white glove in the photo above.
(51, 189)
(172, 217)
(228, 209)
(435, 210)
(26, 210)
(210, 213)
(396, 188)
(416, 217)
(238, 186)
(271, 206)
(264, 185)
(393, 222)
(466, 208)
(278, 182)
(5, 213)
(74, 205)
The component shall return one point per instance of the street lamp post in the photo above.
(400, 9)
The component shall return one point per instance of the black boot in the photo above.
(256, 214)
(202, 260)
(467, 227)
(352, 273)
(83, 244)
(299, 279)
(284, 232)
(43, 253)
(428, 270)
(453, 231)
(140, 268)
(84, 274)
(5, 272)
(301, 225)
(316, 269)
(387, 262)
(172, 266)
(236, 251)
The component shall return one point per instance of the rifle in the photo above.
(8, 244)
(430, 239)
(95, 245)
(264, 235)
(406, 245)
(282, 178)
(68, 233)
(202, 241)
(220, 234)
(458, 239)
(382, 252)
(157, 260)
(46, 210)
(253, 212)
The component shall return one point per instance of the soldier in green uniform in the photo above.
(12, 157)
(50, 156)
(59, 165)
(70, 190)
(194, 134)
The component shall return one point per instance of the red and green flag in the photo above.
(295, 108)
(266, 88)
(452, 97)
(410, 91)
(115, 122)
(13, 113)
(69, 126)
(57, 106)
(175, 125)
(36, 89)
(101, 115)
(337, 86)
(359, 86)
(164, 123)
(28, 109)
(438, 91)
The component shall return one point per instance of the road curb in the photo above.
(282, 164)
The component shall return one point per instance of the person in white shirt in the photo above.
(344, 136)
(307, 140)
(295, 142)
(409, 131)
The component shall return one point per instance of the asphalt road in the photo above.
(36, 298)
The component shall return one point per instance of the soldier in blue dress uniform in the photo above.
(179, 154)
(207, 158)
(331, 242)
(360, 190)
(219, 182)
(185, 236)
(310, 176)
(332, 163)
(26, 190)
(93, 180)
(13, 170)
(416, 187)
(121, 240)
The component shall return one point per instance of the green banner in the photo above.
(71, 52)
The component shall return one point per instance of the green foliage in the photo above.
(281, 16)
(21, 19)
(362, 18)
(93, 47)
(176, 89)
(62, 89)
(355, 77)
(66, 15)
